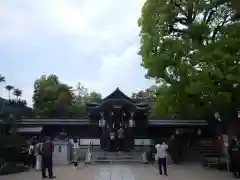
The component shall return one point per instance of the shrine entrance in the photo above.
(118, 129)
(116, 116)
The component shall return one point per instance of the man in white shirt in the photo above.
(161, 157)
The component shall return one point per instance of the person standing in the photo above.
(120, 134)
(38, 155)
(112, 135)
(47, 162)
(234, 152)
(31, 155)
(161, 157)
(75, 154)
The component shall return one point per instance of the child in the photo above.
(75, 155)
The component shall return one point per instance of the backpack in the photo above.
(47, 149)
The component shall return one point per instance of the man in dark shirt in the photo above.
(47, 154)
(234, 152)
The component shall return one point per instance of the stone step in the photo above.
(115, 157)
(118, 157)
(117, 161)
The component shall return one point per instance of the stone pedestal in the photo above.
(61, 154)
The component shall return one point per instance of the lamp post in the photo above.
(131, 121)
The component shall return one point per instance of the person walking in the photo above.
(161, 157)
(47, 154)
(75, 154)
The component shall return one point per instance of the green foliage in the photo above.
(93, 97)
(9, 88)
(2, 79)
(17, 93)
(148, 95)
(193, 47)
(53, 99)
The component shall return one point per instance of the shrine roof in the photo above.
(118, 98)
(118, 94)
(57, 121)
(86, 121)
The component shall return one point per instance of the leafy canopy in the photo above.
(192, 46)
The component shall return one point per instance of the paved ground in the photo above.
(125, 172)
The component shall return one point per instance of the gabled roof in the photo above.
(117, 98)
(118, 94)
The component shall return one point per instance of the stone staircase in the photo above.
(99, 157)
(210, 151)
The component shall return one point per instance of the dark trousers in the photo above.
(75, 164)
(112, 145)
(31, 161)
(236, 168)
(162, 165)
(47, 164)
(121, 144)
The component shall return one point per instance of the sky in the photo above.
(94, 42)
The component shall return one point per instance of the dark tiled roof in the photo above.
(29, 129)
(173, 122)
(118, 94)
(85, 121)
(53, 121)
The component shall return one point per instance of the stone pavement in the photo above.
(125, 172)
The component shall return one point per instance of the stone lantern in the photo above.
(131, 121)
(102, 121)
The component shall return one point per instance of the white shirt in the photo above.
(76, 145)
(38, 148)
(161, 150)
(31, 149)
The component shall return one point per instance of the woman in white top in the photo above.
(38, 155)
(31, 155)
(75, 154)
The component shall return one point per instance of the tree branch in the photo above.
(172, 30)
(179, 7)
(189, 12)
(181, 20)
(217, 29)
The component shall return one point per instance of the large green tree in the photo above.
(193, 47)
(51, 98)
(93, 97)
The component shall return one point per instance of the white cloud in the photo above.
(106, 30)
